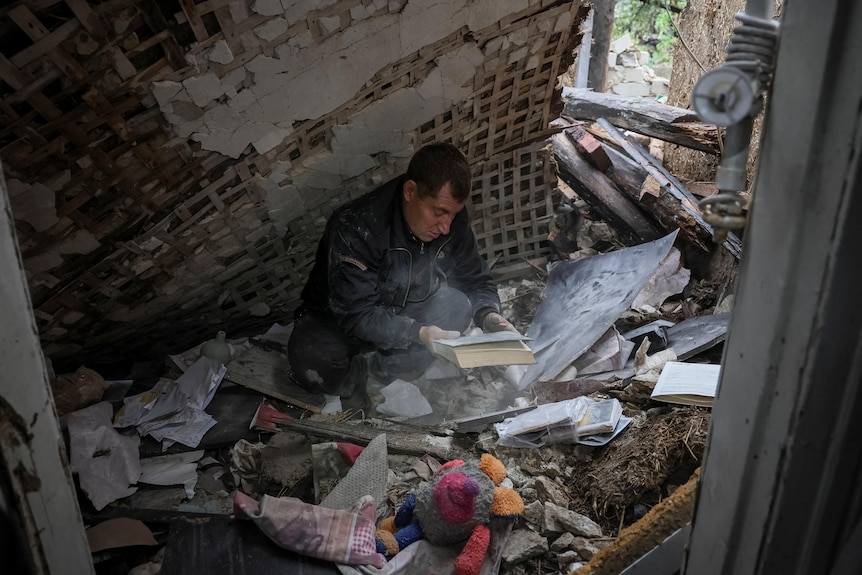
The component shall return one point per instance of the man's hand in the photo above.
(496, 322)
(429, 333)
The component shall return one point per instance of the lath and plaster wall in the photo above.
(171, 170)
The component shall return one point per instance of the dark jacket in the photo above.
(368, 266)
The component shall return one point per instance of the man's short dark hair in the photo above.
(435, 165)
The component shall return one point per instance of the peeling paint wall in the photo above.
(193, 159)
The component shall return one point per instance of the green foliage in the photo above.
(648, 22)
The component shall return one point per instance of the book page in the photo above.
(679, 379)
(491, 337)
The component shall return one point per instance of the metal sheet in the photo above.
(583, 299)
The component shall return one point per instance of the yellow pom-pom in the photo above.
(388, 524)
(389, 541)
(507, 502)
(493, 468)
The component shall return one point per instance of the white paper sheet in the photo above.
(107, 462)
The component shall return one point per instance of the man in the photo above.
(395, 270)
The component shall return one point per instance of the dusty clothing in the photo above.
(370, 271)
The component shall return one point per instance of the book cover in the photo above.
(496, 348)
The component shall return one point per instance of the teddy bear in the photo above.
(454, 506)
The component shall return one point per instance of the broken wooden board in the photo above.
(669, 183)
(268, 371)
(644, 116)
(223, 545)
(602, 194)
(397, 441)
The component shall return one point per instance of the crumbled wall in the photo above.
(629, 72)
(171, 166)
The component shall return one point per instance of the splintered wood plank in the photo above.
(269, 373)
(644, 116)
(600, 192)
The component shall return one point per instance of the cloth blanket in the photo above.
(329, 534)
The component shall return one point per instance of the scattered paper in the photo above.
(107, 462)
(176, 469)
(332, 404)
(668, 280)
(172, 412)
(609, 353)
(403, 399)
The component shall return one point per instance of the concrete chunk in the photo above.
(631, 89)
(560, 520)
(622, 44)
(523, 544)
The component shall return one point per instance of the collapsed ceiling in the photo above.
(171, 164)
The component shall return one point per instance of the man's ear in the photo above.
(410, 190)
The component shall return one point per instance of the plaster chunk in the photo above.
(79, 242)
(186, 129)
(358, 12)
(221, 53)
(222, 117)
(343, 165)
(203, 89)
(329, 24)
(518, 55)
(563, 23)
(178, 112)
(34, 204)
(272, 29)
(165, 90)
(395, 6)
(532, 63)
(519, 37)
(484, 13)
(43, 262)
(270, 138)
(243, 100)
(267, 7)
(266, 66)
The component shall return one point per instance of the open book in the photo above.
(495, 348)
(687, 383)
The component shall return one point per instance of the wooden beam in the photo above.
(644, 116)
(602, 194)
(670, 185)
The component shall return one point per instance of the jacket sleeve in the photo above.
(472, 274)
(354, 293)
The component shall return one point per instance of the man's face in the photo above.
(429, 217)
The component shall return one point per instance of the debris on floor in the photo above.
(572, 462)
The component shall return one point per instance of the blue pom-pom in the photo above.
(408, 535)
(404, 515)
